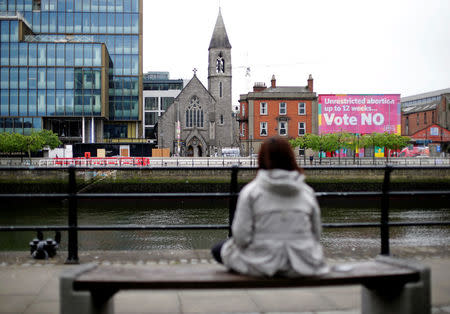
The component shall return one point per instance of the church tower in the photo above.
(219, 85)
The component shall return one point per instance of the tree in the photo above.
(33, 143)
(15, 142)
(379, 140)
(330, 142)
(367, 141)
(301, 143)
(316, 143)
(395, 141)
(350, 141)
(50, 139)
(11, 142)
(4, 142)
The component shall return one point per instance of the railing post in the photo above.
(233, 197)
(73, 232)
(384, 228)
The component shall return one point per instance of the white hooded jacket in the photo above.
(276, 228)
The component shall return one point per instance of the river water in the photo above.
(337, 242)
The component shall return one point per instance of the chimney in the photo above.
(259, 86)
(310, 83)
(273, 82)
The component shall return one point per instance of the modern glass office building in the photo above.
(159, 93)
(72, 66)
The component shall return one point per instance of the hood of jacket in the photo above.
(281, 181)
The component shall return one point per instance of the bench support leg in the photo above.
(75, 302)
(412, 298)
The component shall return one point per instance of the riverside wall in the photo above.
(216, 180)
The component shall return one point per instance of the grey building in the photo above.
(200, 121)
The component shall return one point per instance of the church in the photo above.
(199, 123)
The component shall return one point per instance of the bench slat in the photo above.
(206, 276)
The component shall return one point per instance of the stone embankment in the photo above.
(322, 179)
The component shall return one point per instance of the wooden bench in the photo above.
(389, 285)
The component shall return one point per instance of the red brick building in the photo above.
(286, 111)
(416, 118)
(426, 119)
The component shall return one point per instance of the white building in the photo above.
(158, 94)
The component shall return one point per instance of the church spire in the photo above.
(219, 38)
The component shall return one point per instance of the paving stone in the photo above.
(43, 307)
(289, 300)
(146, 302)
(223, 301)
(15, 303)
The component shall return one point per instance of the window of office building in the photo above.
(166, 102)
(151, 118)
(4, 78)
(115, 131)
(151, 103)
(150, 132)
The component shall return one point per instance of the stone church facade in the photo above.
(200, 123)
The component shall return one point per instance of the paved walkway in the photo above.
(32, 286)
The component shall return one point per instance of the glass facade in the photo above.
(159, 94)
(52, 63)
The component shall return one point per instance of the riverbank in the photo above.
(189, 180)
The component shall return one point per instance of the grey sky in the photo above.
(349, 46)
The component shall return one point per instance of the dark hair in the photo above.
(277, 153)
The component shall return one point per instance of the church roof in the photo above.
(194, 81)
(219, 38)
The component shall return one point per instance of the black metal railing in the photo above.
(72, 196)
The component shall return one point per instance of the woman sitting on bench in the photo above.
(276, 227)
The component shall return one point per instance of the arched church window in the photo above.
(194, 113)
(220, 64)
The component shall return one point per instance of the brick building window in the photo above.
(418, 119)
(425, 118)
(243, 129)
(301, 108)
(263, 108)
(282, 128)
(432, 116)
(263, 128)
(282, 108)
(301, 128)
